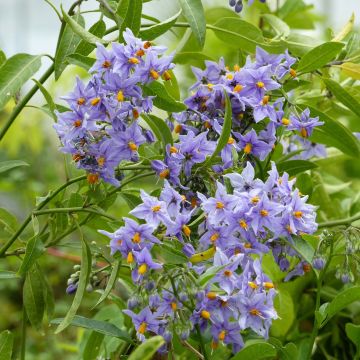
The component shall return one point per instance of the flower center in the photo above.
(264, 213)
(243, 224)
(106, 64)
(252, 285)
(231, 141)
(222, 335)
(285, 121)
(186, 230)
(211, 295)
(265, 100)
(205, 314)
(142, 328)
(147, 44)
(135, 113)
(173, 306)
(156, 208)
(219, 205)
(95, 101)
(120, 96)
(142, 269)
(268, 285)
(167, 75)
(77, 123)
(130, 258)
(81, 101)
(132, 146)
(178, 129)
(306, 268)
(248, 148)
(227, 273)
(304, 133)
(260, 84)
(238, 88)
(101, 161)
(255, 312)
(292, 73)
(133, 60)
(136, 238)
(93, 178)
(140, 53)
(164, 174)
(255, 199)
(173, 150)
(154, 74)
(214, 237)
(298, 214)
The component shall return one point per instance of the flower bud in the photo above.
(318, 263)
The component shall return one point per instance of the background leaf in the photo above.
(147, 349)
(6, 345)
(256, 351)
(11, 164)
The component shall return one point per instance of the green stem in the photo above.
(72, 210)
(23, 335)
(346, 221)
(39, 207)
(24, 101)
(201, 340)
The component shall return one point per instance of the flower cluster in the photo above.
(101, 129)
(240, 226)
(238, 4)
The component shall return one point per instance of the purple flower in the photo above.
(246, 180)
(300, 269)
(228, 333)
(251, 144)
(304, 124)
(144, 264)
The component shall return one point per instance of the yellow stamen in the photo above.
(285, 121)
(93, 178)
(255, 312)
(173, 306)
(106, 64)
(237, 67)
(219, 205)
(255, 199)
(133, 60)
(210, 86)
(205, 314)
(154, 74)
(265, 100)
(77, 157)
(243, 224)
(268, 285)
(156, 208)
(120, 96)
(306, 268)
(142, 269)
(222, 335)
(207, 125)
(231, 141)
(229, 76)
(211, 295)
(186, 230)
(178, 129)
(140, 53)
(173, 150)
(142, 328)
(166, 76)
(136, 238)
(264, 213)
(164, 174)
(214, 237)
(252, 285)
(101, 161)
(247, 246)
(135, 113)
(132, 146)
(260, 84)
(248, 148)
(238, 88)
(80, 101)
(304, 133)
(130, 258)
(227, 273)
(147, 44)
(298, 214)
(95, 101)
(77, 123)
(292, 73)
(289, 230)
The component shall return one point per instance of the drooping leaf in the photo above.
(154, 31)
(340, 302)
(15, 72)
(353, 333)
(280, 27)
(163, 99)
(68, 43)
(160, 129)
(343, 96)
(85, 48)
(85, 62)
(83, 281)
(102, 327)
(48, 98)
(33, 297)
(11, 164)
(6, 345)
(351, 69)
(293, 167)
(194, 14)
(80, 31)
(226, 130)
(111, 282)
(319, 56)
(147, 349)
(257, 351)
(34, 249)
(121, 11)
(333, 133)
(132, 18)
(238, 33)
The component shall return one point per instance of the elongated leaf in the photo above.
(93, 346)
(80, 60)
(261, 350)
(346, 29)
(112, 279)
(133, 16)
(351, 69)
(341, 301)
(131, 199)
(209, 274)
(293, 167)
(33, 297)
(80, 31)
(121, 11)
(48, 98)
(194, 14)
(6, 345)
(8, 275)
(170, 255)
(319, 56)
(353, 333)
(11, 164)
(67, 45)
(34, 249)
(280, 27)
(226, 129)
(238, 33)
(154, 31)
(14, 73)
(2, 58)
(83, 281)
(8, 220)
(172, 86)
(343, 96)
(85, 48)
(189, 57)
(163, 99)
(147, 349)
(304, 249)
(160, 129)
(333, 133)
(101, 327)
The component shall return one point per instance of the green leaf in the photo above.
(154, 31)
(133, 17)
(170, 255)
(351, 69)
(8, 219)
(8, 275)
(34, 249)
(346, 29)
(238, 33)
(172, 86)
(14, 73)
(280, 27)
(209, 274)
(48, 98)
(261, 350)
(163, 99)
(121, 11)
(85, 48)
(80, 60)
(287, 352)
(194, 14)
(284, 306)
(304, 249)
(33, 297)
(112, 279)
(101, 327)
(160, 129)
(131, 199)
(147, 349)
(80, 31)
(333, 133)
(343, 96)
(68, 43)
(6, 345)
(93, 346)
(293, 167)
(189, 57)
(353, 333)
(2, 58)
(83, 282)
(319, 56)
(341, 301)
(226, 130)
(11, 164)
